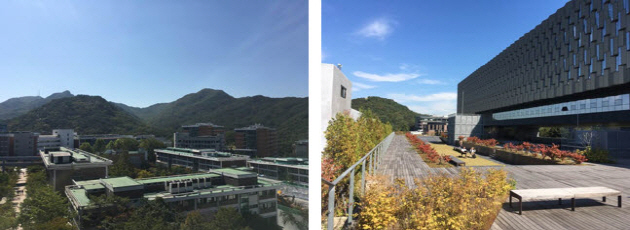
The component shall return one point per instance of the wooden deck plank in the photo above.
(403, 162)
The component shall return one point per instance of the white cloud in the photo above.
(359, 86)
(379, 28)
(429, 82)
(387, 77)
(435, 108)
(399, 97)
(403, 66)
(324, 55)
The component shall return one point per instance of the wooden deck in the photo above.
(401, 161)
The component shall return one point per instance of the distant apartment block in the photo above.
(203, 192)
(200, 136)
(432, 125)
(199, 160)
(64, 165)
(18, 144)
(300, 149)
(3, 128)
(285, 169)
(58, 138)
(257, 137)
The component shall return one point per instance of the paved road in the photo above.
(401, 161)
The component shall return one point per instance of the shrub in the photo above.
(466, 201)
(596, 155)
(432, 155)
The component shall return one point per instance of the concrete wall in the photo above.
(332, 101)
(66, 137)
(464, 125)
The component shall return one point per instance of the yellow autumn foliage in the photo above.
(466, 201)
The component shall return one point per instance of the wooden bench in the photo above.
(457, 161)
(560, 193)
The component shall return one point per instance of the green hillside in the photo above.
(288, 115)
(399, 116)
(20, 105)
(84, 114)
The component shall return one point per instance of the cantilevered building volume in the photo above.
(571, 70)
(204, 192)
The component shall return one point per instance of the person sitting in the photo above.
(463, 152)
(472, 152)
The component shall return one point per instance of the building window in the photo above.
(343, 91)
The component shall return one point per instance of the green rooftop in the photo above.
(80, 196)
(232, 171)
(172, 178)
(118, 182)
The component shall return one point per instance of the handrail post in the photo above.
(363, 178)
(370, 171)
(331, 207)
(351, 203)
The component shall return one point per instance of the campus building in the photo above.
(285, 169)
(431, 125)
(263, 140)
(300, 149)
(203, 192)
(200, 136)
(571, 70)
(65, 165)
(58, 138)
(199, 159)
(18, 144)
(18, 149)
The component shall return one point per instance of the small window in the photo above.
(343, 91)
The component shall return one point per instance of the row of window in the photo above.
(605, 104)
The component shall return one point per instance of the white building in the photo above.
(59, 138)
(336, 94)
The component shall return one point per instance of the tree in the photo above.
(122, 166)
(194, 221)
(227, 218)
(154, 214)
(43, 204)
(86, 147)
(110, 145)
(150, 145)
(126, 144)
(99, 146)
(145, 174)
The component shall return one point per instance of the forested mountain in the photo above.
(399, 116)
(20, 105)
(95, 115)
(85, 114)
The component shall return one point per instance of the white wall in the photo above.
(332, 102)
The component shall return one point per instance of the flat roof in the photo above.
(202, 154)
(172, 178)
(80, 195)
(118, 182)
(300, 163)
(232, 171)
(81, 157)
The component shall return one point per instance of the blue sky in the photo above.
(416, 52)
(145, 52)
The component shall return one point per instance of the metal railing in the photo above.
(373, 158)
